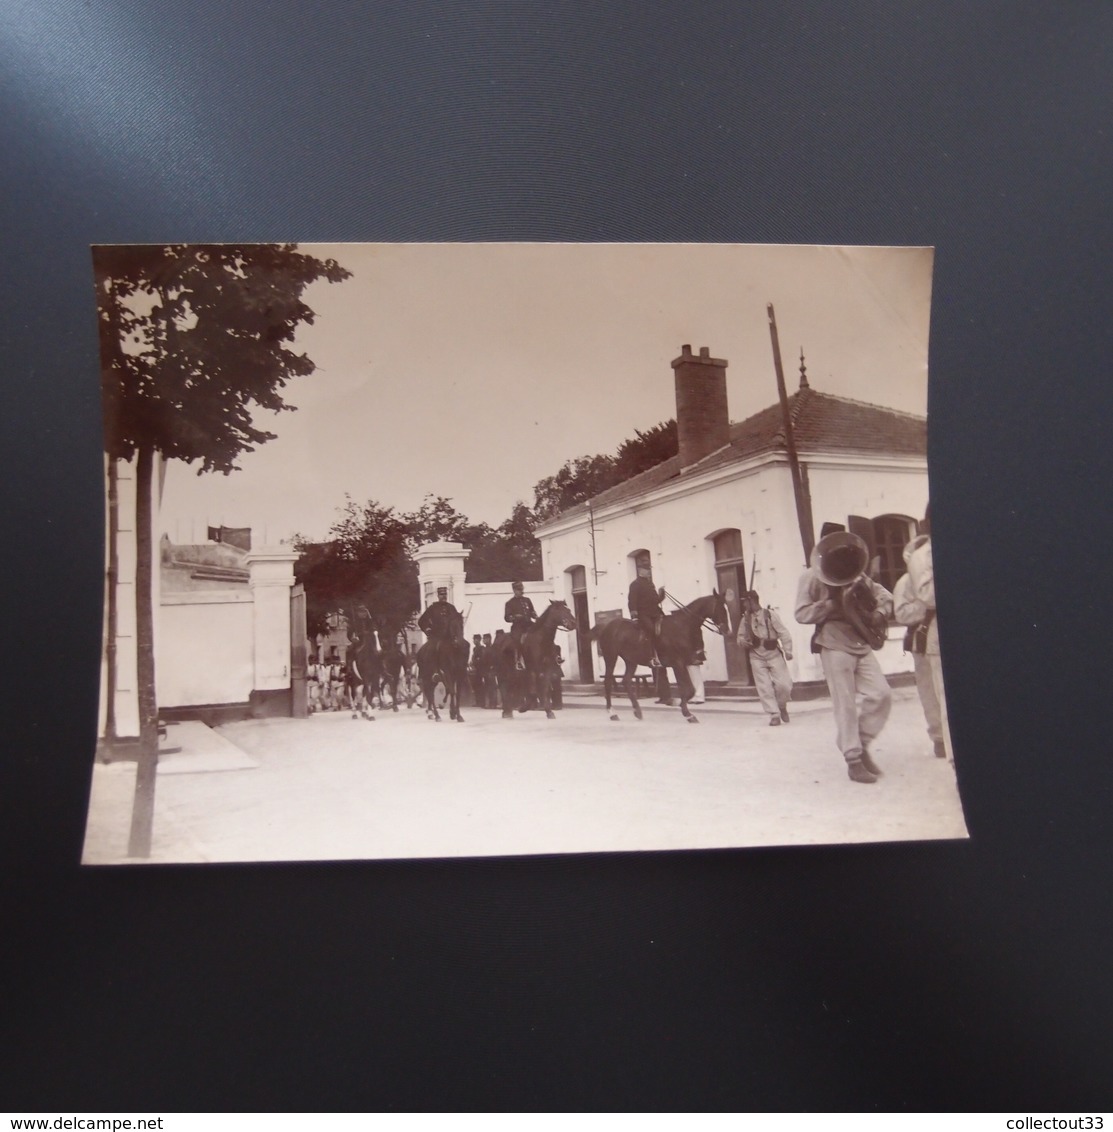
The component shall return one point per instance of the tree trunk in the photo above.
(110, 604)
(143, 808)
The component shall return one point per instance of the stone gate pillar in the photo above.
(272, 577)
(441, 564)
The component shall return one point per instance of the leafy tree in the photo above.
(193, 339)
(646, 450)
(588, 476)
(436, 520)
(366, 560)
(576, 481)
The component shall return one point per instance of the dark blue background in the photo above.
(956, 976)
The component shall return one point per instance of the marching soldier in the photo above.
(911, 611)
(769, 643)
(835, 595)
(475, 670)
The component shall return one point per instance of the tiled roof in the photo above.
(822, 422)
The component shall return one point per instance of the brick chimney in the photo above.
(702, 418)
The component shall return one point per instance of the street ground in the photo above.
(330, 787)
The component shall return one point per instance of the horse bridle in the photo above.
(706, 623)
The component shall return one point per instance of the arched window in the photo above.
(891, 534)
(886, 536)
(642, 559)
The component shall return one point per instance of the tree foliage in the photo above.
(588, 476)
(196, 336)
(366, 560)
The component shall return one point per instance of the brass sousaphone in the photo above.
(840, 559)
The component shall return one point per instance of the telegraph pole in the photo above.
(803, 501)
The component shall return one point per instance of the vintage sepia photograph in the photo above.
(472, 550)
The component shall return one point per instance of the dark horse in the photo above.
(394, 661)
(676, 646)
(444, 659)
(364, 665)
(539, 653)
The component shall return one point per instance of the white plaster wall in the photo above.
(678, 534)
(487, 601)
(206, 653)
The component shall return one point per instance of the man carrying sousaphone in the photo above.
(850, 612)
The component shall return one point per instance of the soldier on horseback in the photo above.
(644, 601)
(441, 620)
(519, 612)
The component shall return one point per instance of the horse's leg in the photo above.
(687, 691)
(544, 692)
(427, 690)
(456, 682)
(505, 690)
(608, 683)
(628, 684)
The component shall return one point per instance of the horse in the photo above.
(676, 647)
(444, 659)
(364, 666)
(393, 662)
(539, 656)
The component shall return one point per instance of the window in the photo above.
(886, 536)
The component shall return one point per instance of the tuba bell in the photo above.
(840, 559)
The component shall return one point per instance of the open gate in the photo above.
(299, 692)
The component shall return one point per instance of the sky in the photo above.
(474, 370)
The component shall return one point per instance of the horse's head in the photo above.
(712, 608)
(563, 613)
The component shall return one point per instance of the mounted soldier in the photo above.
(644, 601)
(520, 614)
(441, 621)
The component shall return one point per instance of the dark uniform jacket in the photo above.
(644, 600)
(440, 620)
(520, 613)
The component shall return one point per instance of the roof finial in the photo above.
(803, 371)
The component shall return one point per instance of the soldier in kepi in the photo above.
(520, 614)
(441, 620)
(644, 601)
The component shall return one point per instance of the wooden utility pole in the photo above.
(803, 500)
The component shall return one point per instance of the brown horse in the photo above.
(538, 648)
(364, 665)
(676, 646)
(444, 660)
(393, 663)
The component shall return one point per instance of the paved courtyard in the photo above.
(330, 787)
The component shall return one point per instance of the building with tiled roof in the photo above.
(724, 509)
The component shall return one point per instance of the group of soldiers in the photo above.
(442, 619)
(326, 684)
(861, 699)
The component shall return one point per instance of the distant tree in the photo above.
(646, 450)
(576, 481)
(193, 339)
(589, 476)
(436, 520)
(365, 560)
